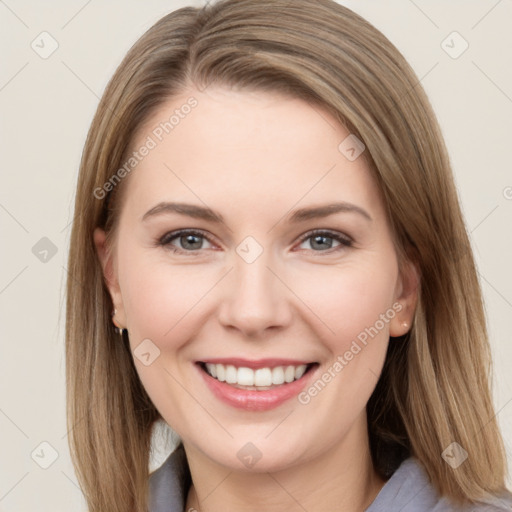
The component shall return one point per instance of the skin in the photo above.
(255, 157)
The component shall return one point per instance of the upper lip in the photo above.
(255, 363)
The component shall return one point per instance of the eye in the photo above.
(322, 240)
(188, 240)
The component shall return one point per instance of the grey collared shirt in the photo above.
(408, 490)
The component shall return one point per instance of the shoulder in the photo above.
(409, 490)
(168, 485)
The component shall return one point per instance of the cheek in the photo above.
(350, 300)
(159, 298)
(161, 301)
(357, 306)
(167, 302)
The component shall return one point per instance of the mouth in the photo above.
(257, 376)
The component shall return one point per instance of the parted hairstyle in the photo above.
(435, 387)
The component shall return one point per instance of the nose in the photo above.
(255, 298)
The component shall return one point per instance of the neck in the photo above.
(341, 478)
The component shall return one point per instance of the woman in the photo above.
(269, 255)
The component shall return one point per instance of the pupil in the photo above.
(189, 239)
(322, 239)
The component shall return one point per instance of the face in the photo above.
(252, 274)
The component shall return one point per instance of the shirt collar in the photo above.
(169, 484)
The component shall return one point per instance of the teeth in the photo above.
(300, 370)
(245, 377)
(212, 369)
(289, 374)
(277, 375)
(221, 372)
(262, 377)
(231, 374)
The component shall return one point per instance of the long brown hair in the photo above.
(435, 386)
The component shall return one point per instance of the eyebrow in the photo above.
(300, 215)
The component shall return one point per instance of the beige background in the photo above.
(46, 107)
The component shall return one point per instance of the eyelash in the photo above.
(165, 241)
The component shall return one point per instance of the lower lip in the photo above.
(251, 400)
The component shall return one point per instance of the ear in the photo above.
(110, 275)
(406, 294)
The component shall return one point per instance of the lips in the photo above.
(251, 396)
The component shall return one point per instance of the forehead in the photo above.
(258, 149)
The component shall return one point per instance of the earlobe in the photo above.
(109, 275)
(407, 297)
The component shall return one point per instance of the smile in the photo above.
(259, 379)
(264, 387)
